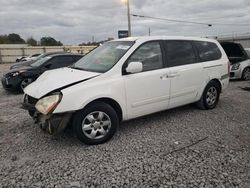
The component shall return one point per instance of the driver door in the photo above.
(147, 91)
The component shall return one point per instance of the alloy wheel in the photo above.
(211, 96)
(25, 83)
(246, 74)
(96, 125)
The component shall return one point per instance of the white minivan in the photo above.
(125, 79)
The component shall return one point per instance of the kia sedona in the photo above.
(17, 79)
(125, 79)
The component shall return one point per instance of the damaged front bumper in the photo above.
(51, 123)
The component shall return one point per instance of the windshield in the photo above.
(248, 53)
(40, 56)
(40, 61)
(104, 57)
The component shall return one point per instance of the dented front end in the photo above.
(51, 123)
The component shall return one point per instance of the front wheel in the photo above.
(246, 74)
(210, 96)
(95, 124)
(25, 82)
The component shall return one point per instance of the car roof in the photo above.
(51, 53)
(64, 54)
(149, 38)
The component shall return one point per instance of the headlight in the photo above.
(48, 104)
(14, 74)
(236, 66)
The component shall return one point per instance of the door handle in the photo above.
(172, 75)
(169, 75)
(165, 76)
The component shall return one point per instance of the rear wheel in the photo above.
(95, 124)
(246, 74)
(210, 96)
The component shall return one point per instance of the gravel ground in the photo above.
(183, 147)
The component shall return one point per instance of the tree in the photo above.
(50, 41)
(4, 39)
(31, 41)
(15, 39)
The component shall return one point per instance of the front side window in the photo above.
(208, 51)
(40, 61)
(104, 57)
(149, 55)
(61, 61)
(180, 53)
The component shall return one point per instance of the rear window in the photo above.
(208, 51)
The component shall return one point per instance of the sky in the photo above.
(77, 21)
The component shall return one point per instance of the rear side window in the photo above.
(208, 51)
(180, 53)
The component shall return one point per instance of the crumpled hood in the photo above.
(55, 79)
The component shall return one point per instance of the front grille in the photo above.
(31, 100)
(232, 74)
(29, 103)
(8, 75)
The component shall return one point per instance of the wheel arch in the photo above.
(218, 82)
(113, 103)
(248, 66)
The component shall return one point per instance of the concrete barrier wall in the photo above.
(9, 53)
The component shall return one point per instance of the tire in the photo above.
(95, 124)
(246, 74)
(210, 96)
(25, 82)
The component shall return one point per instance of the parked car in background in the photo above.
(248, 52)
(19, 59)
(32, 57)
(126, 79)
(239, 60)
(27, 63)
(19, 78)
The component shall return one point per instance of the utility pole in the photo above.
(129, 21)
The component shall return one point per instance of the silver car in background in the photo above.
(239, 60)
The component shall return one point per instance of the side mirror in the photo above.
(134, 67)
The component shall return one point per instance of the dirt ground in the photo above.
(183, 147)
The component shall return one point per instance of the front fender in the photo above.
(78, 96)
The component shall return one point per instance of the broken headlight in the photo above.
(48, 104)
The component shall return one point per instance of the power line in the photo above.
(171, 20)
(189, 22)
(233, 24)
